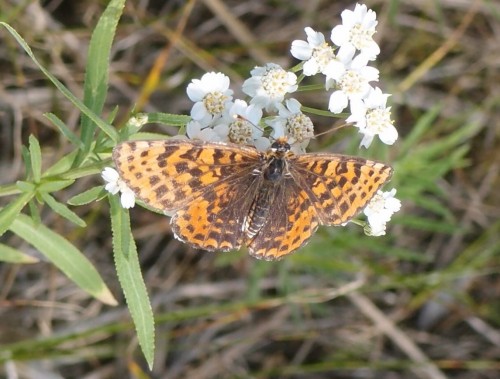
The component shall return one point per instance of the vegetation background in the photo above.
(421, 302)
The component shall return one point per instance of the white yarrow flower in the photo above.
(240, 124)
(269, 85)
(316, 53)
(356, 31)
(196, 130)
(380, 210)
(372, 116)
(115, 184)
(293, 124)
(350, 78)
(211, 94)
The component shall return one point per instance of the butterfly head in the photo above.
(281, 146)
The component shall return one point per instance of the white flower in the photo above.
(240, 124)
(293, 124)
(114, 184)
(356, 31)
(269, 85)
(210, 94)
(350, 78)
(196, 130)
(373, 117)
(380, 210)
(316, 53)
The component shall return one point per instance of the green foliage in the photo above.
(63, 255)
(39, 185)
(130, 276)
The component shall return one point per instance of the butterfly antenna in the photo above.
(334, 129)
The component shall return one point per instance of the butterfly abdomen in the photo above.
(259, 210)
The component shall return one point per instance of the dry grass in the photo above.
(421, 304)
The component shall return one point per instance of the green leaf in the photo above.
(10, 212)
(96, 75)
(65, 131)
(93, 194)
(25, 186)
(54, 185)
(8, 254)
(106, 128)
(167, 118)
(64, 256)
(36, 158)
(25, 153)
(62, 210)
(62, 166)
(34, 211)
(130, 277)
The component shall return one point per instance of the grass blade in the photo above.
(130, 277)
(96, 75)
(63, 255)
(10, 212)
(106, 128)
(8, 254)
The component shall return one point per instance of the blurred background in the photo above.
(420, 302)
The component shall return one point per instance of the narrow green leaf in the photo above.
(8, 254)
(36, 158)
(64, 256)
(93, 194)
(65, 131)
(130, 277)
(62, 210)
(167, 118)
(10, 212)
(62, 166)
(33, 207)
(96, 75)
(106, 128)
(54, 185)
(25, 153)
(25, 186)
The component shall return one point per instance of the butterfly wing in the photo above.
(208, 187)
(169, 174)
(338, 186)
(291, 221)
(214, 221)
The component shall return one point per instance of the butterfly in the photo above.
(223, 196)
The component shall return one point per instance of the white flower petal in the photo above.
(367, 140)
(301, 50)
(338, 102)
(340, 35)
(314, 38)
(198, 111)
(195, 91)
(389, 135)
(127, 199)
(262, 143)
(310, 67)
(110, 175)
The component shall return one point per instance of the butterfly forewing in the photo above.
(339, 186)
(169, 174)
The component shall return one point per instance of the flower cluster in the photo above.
(347, 72)
(217, 117)
(271, 112)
